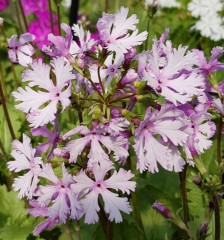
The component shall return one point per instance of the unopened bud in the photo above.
(203, 229)
(60, 153)
(196, 180)
(162, 209)
(1, 21)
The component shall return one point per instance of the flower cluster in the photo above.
(83, 170)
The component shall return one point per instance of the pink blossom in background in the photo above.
(34, 6)
(41, 27)
(89, 191)
(20, 51)
(4, 4)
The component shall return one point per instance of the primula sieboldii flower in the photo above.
(213, 64)
(25, 159)
(110, 70)
(52, 136)
(203, 130)
(40, 211)
(172, 75)
(114, 31)
(20, 51)
(95, 138)
(157, 138)
(89, 191)
(42, 105)
(59, 197)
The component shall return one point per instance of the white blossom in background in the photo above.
(210, 23)
(66, 3)
(163, 3)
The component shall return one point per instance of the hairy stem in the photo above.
(106, 224)
(217, 218)
(182, 176)
(106, 6)
(51, 16)
(23, 16)
(3, 100)
(135, 206)
(18, 18)
(59, 17)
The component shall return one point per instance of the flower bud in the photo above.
(203, 229)
(197, 181)
(162, 209)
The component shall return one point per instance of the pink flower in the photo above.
(4, 4)
(157, 138)
(20, 51)
(90, 189)
(95, 138)
(42, 105)
(114, 31)
(170, 72)
(59, 197)
(25, 159)
(218, 105)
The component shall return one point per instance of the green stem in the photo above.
(23, 16)
(4, 104)
(219, 140)
(106, 6)
(217, 218)
(59, 17)
(182, 176)
(51, 16)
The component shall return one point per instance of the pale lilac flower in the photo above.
(89, 191)
(110, 70)
(59, 197)
(20, 51)
(173, 75)
(85, 42)
(25, 159)
(213, 64)
(61, 45)
(41, 211)
(114, 31)
(218, 105)
(96, 138)
(157, 138)
(42, 105)
(52, 142)
(203, 130)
